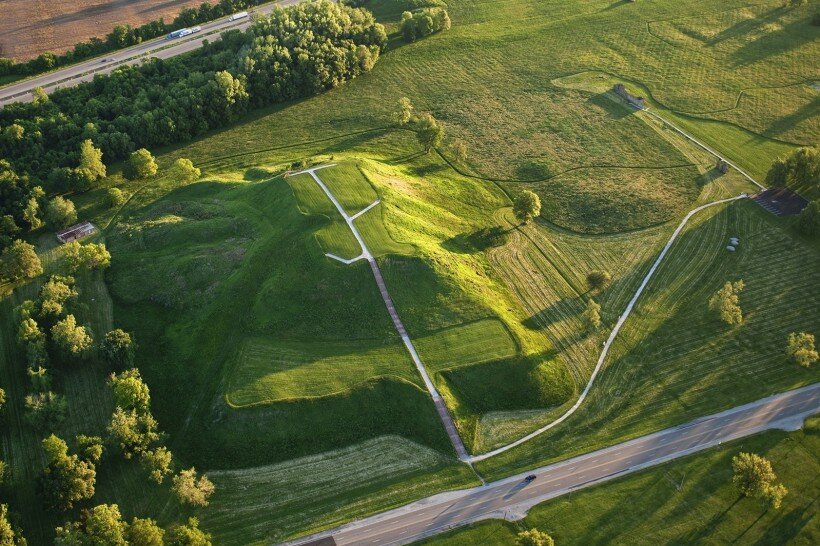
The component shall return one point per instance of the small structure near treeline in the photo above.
(77, 231)
(638, 102)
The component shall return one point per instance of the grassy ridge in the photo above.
(687, 501)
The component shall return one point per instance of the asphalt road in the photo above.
(512, 497)
(86, 70)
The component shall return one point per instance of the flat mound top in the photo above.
(29, 28)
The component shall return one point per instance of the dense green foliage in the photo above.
(297, 51)
(799, 171)
(423, 22)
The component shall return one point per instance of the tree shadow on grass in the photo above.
(787, 527)
(477, 241)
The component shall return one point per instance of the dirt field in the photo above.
(31, 27)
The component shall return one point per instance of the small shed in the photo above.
(620, 89)
(77, 231)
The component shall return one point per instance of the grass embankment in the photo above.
(688, 501)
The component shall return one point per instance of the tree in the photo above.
(144, 532)
(189, 535)
(754, 477)
(31, 214)
(405, 111)
(61, 212)
(67, 478)
(184, 171)
(526, 206)
(71, 340)
(91, 447)
(533, 537)
(55, 293)
(157, 463)
(800, 170)
(428, 132)
(29, 331)
(20, 261)
(752, 473)
(800, 348)
(141, 164)
(115, 197)
(91, 163)
(598, 280)
(132, 431)
(773, 495)
(100, 526)
(8, 536)
(808, 222)
(86, 257)
(118, 349)
(460, 151)
(130, 391)
(190, 490)
(45, 410)
(39, 96)
(726, 303)
(592, 315)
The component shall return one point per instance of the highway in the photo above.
(161, 48)
(511, 498)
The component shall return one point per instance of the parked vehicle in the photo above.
(240, 15)
(529, 478)
(196, 28)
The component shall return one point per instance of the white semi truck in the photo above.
(240, 15)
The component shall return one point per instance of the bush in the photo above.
(423, 22)
(61, 212)
(115, 197)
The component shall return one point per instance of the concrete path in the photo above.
(441, 407)
(613, 334)
(511, 498)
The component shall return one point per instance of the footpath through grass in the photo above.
(688, 501)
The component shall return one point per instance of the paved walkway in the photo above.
(630, 306)
(441, 407)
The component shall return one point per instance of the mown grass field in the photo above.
(688, 501)
(673, 361)
(225, 284)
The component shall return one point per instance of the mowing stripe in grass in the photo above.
(611, 337)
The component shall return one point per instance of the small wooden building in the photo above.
(77, 231)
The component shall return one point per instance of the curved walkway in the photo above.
(630, 306)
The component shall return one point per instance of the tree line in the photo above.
(58, 143)
(123, 36)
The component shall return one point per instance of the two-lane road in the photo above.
(512, 497)
(161, 48)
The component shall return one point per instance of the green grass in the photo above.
(269, 371)
(687, 501)
(672, 360)
(271, 503)
(237, 258)
(465, 345)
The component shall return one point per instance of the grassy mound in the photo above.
(270, 370)
(512, 384)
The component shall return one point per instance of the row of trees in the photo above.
(124, 36)
(104, 525)
(59, 141)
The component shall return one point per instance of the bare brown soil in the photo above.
(31, 27)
